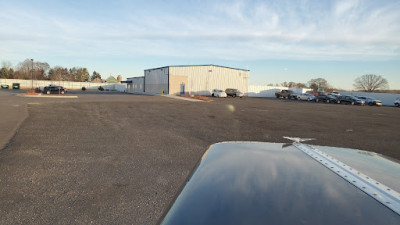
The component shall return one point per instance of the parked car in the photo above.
(370, 101)
(5, 86)
(334, 93)
(15, 86)
(315, 93)
(233, 92)
(397, 102)
(323, 97)
(306, 97)
(347, 99)
(54, 90)
(218, 93)
(289, 94)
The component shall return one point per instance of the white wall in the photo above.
(66, 84)
(386, 98)
(269, 91)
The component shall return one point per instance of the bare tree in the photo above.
(317, 83)
(6, 64)
(23, 69)
(300, 85)
(370, 82)
(292, 84)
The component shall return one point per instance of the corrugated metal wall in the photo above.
(137, 85)
(156, 80)
(203, 79)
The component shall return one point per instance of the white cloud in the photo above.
(344, 6)
(240, 30)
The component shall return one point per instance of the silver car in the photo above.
(397, 102)
(218, 93)
(306, 97)
(370, 101)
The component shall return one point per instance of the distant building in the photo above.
(111, 80)
(191, 79)
(97, 80)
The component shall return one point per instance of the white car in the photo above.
(335, 93)
(218, 93)
(306, 97)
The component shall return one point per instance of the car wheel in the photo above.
(352, 103)
(397, 105)
(370, 104)
(212, 95)
(327, 101)
(234, 95)
(48, 92)
(338, 102)
(316, 100)
(62, 92)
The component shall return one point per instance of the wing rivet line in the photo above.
(383, 194)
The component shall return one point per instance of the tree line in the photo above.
(37, 70)
(314, 84)
(367, 83)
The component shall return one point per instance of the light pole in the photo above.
(32, 73)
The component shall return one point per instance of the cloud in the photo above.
(239, 30)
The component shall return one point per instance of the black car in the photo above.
(350, 100)
(326, 98)
(233, 92)
(54, 90)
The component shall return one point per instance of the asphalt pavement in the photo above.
(121, 159)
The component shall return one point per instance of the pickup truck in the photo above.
(289, 94)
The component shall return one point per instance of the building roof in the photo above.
(111, 79)
(135, 77)
(198, 65)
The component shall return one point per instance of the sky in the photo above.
(294, 40)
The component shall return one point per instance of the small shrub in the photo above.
(83, 89)
(101, 88)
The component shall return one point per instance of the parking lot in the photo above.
(121, 159)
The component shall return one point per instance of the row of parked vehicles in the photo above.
(329, 97)
(316, 96)
(229, 92)
(14, 86)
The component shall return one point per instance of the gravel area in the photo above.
(108, 158)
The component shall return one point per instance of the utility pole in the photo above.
(32, 73)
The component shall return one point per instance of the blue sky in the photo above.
(276, 40)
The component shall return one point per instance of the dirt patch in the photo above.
(198, 97)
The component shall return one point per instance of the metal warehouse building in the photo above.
(194, 79)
